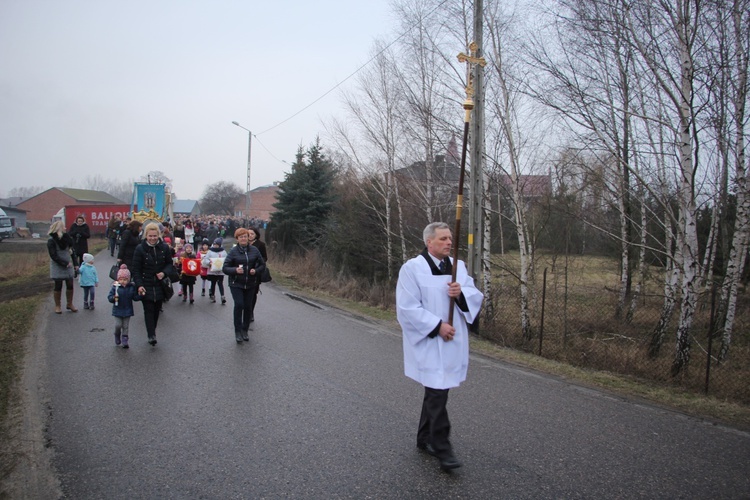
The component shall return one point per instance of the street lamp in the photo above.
(249, 157)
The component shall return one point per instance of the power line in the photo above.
(354, 73)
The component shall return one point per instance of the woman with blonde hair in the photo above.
(152, 262)
(61, 266)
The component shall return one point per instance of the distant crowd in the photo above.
(191, 230)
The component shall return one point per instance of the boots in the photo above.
(69, 296)
(117, 337)
(58, 297)
(125, 341)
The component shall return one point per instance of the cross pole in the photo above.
(470, 60)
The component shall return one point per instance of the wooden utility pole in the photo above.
(476, 133)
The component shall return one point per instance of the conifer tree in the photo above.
(305, 199)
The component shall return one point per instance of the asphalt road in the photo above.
(316, 406)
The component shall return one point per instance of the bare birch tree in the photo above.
(664, 34)
(740, 23)
(503, 106)
(375, 110)
(588, 82)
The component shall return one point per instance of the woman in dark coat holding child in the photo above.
(152, 261)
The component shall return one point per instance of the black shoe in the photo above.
(152, 341)
(427, 448)
(245, 336)
(238, 337)
(450, 462)
(203, 293)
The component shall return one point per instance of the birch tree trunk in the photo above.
(689, 244)
(504, 110)
(741, 240)
(673, 264)
(641, 275)
(486, 264)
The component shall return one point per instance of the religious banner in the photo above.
(150, 197)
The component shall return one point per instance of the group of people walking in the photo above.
(145, 261)
(435, 342)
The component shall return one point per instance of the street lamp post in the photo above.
(249, 161)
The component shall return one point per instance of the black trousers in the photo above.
(151, 311)
(434, 425)
(244, 300)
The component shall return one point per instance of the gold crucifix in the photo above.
(471, 61)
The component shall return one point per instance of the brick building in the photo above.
(261, 203)
(42, 207)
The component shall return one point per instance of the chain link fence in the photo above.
(573, 319)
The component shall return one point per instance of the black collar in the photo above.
(433, 267)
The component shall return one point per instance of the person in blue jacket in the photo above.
(122, 294)
(89, 280)
(242, 264)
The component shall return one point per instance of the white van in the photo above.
(6, 226)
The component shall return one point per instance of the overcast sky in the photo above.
(118, 89)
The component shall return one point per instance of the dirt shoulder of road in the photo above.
(33, 475)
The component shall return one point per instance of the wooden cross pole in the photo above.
(470, 60)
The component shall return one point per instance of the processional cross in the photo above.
(471, 60)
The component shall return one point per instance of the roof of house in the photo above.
(443, 171)
(183, 206)
(89, 195)
(12, 201)
(12, 209)
(531, 185)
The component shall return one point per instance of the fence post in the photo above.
(544, 297)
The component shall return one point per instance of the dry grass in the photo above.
(18, 265)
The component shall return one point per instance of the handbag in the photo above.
(265, 276)
(166, 287)
(113, 271)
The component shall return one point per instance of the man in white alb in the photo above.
(436, 354)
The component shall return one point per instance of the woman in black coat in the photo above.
(243, 264)
(254, 236)
(152, 261)
(61, 265)
(129, 240)
(80, 233)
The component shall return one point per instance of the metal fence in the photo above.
(574, 321)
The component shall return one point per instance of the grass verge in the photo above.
(17, 321)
